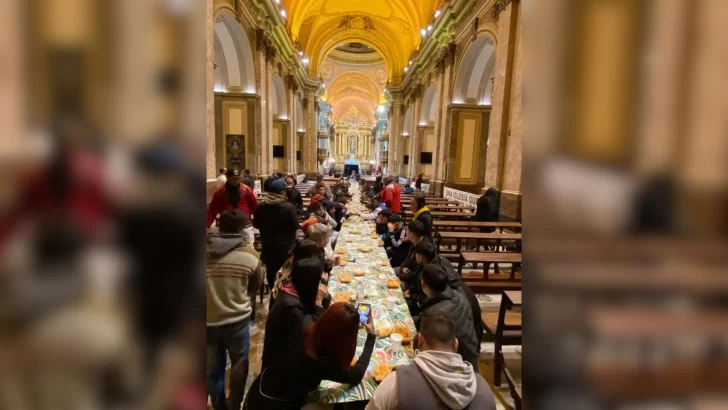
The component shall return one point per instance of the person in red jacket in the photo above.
(233, 194)
(390, 194)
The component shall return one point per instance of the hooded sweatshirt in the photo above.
(451, 379)
(233, 270)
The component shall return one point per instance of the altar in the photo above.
(351, 165)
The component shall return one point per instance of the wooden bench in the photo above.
(486, 258)
(458, 236)
(441, 207)
(474, 225)
(505, 328)
(493, 286)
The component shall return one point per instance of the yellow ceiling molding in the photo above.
(354, 81)
(390, 27)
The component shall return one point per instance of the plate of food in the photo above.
(360, 272)
(354, 231)
(384, 262)
(382, 371)
(364, 249)
(384, 331)
(341, 251)
(345, 278)
(391, 283)
(341, 297)
(404, 331)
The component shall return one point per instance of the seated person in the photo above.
(376, 206)
(322, 351)
(412, 287)
(394, 241)
(415, 234)
(426, 254)
(440, 296)
(382, 220)
(438, 377)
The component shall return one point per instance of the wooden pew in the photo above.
(458, 236)
(445, 215)
(486, 258)
(474, 225)
(442, 207)
(505, 327)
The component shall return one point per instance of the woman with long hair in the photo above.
(323, 352)
(304, 249)
(303, 299)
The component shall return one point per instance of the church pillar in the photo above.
(413, 132)
(262, 79)
(290, 149)
(396, 144)
(210, 170)
(309, 150)
(444, 88)
(500, 116)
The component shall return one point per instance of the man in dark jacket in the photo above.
(395, 241)
(426, 255)
(442, 297)
(415, 235)
(248, 179)
(277, 220)
(267, 185)
(294, 195)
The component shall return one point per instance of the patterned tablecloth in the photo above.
(355, 235)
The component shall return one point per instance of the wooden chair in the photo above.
(505, 328)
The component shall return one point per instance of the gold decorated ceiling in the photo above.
(392, 27)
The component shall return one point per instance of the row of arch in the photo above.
(472, 84)
(235, 67)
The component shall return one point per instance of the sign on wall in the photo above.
(425, 187)
(256, 186)
(462, 197)
(300, 178)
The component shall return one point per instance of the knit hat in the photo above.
(278, 185)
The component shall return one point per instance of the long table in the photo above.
(375, 294)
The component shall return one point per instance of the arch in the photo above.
(233, 56)
(407, 122)
(474, 68)
(279, 102)
(429, 105)
(354, 80)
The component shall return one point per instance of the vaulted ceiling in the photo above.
(391, 27)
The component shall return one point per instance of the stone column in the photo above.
(262, 85)
(210, 170)
(414, 137)
(442, 132)
(310, 139)
(511, 187)
(396, 142)
(500, 114)
(291, 137)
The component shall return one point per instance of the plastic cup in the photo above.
(383, 280)
(391, 301)
(396, 340)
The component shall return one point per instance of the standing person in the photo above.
(324, 351)
(267, 187)
(422, 213)
(277, 220)
(248, 179)
(390, 194)
(438, 378)
(294, 195)
(232, 195)
(300, 299)
(418, 181)
(440, 296)
(487, 208)
(221, 178)
(233, 272)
